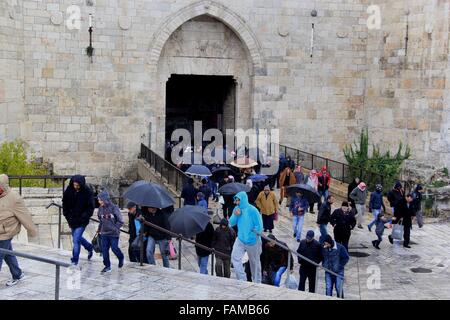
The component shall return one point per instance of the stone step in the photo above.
(132, 282)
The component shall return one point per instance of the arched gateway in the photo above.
(204, 59)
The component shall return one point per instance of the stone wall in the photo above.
(91, 117)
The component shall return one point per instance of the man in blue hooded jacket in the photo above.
(248, 220)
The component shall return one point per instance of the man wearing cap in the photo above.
(343, 220)
(268, 206)
(13, 214)
(359, 195)
(134, 226)
(335, 257)
(249, 222)
(312, 250)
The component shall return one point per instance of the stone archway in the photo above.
(169, 56)
(217, 11)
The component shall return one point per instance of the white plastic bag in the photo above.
(291, 282)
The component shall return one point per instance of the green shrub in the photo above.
(14, 161)
(445, 171)
(378, 167)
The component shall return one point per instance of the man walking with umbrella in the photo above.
(248, 220)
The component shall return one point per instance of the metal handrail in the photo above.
(279, 244)
(98, 221)
(58, 265)
(39, 177)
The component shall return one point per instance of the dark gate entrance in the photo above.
(210, 99)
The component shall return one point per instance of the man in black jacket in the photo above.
(275, 260)
(134, 226)
(395, 196)
(404, 211)
(311, 249)
(343, 221)
(78, 207)
(189, 193)
(159, 218)
(223, 241)
(323, 218)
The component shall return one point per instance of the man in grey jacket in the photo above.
(359, 195)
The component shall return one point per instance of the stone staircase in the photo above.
(132, 282)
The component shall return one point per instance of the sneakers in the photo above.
(298, 240)
(121, 263)
(106, 270)
(360, 226)
(391, 240)
(374, 243)
(409, 247)
(90, 254)
(370, 229)
(13, 282)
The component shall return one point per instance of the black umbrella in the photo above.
(198, 170)
(219, 172)
(189, 220)
(230, 189)
(149, 194)
(309, 193)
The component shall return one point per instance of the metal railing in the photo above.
(166, 170)
(57, 264)
(279, 244)
(338, 170)
(181, 238)
(45, 178)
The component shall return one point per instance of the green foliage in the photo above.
(377, 167)
(445, 171)
(438, 184)
(14, 161)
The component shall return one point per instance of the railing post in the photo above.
(212, 263)
(20, 185)
(57, 282)
(59, 228)
(343, 172)
(315, 283)
(141, 247)
(179, 253)
(312, 162)
(45, 183)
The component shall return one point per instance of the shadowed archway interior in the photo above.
(210, 99)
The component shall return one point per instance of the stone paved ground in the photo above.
(132, 282)
(429, 250)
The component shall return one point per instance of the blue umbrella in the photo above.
(198, 170)
(189, 220)
(258, 177)
(149, 194)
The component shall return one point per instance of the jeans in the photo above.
(310, 274)
(360, 216)
(11, 261)
(203, 264)
(276, 276)
(163, 249)
(323, 232)
(375, 212)
(332, 281)
(113, 243)
(78, 241)
(298, 225)
(223, 267)
(254, 256)
(324, 194)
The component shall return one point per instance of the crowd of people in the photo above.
(246, 216)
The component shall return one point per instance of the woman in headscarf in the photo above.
(313, 181)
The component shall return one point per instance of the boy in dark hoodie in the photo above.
(379, 229)
(223, 241)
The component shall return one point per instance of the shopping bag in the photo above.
(221, 200)
(172, 251)
(419, 217)
(96, 243)
(397, 231)
(291, 282)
